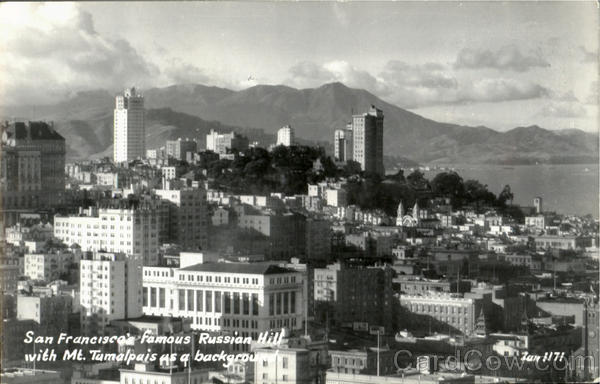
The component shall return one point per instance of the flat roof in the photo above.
(246, 268)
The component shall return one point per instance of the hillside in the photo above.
(192, 110)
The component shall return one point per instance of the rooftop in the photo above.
(248, 268)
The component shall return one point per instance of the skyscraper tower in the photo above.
(129, 130)
(368, 140)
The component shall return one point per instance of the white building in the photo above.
(110, 289)
(247, 298)
(282, 365)
(343, 144)
(131, 228)
(285, 136)
(538, 221)
(47, 266)
(145, 374)
(129, 128)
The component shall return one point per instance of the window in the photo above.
(218, 301)
(271, 304)
(190, 300)
(236, 303)
(255, 304)
(181, 306)
(246, 304)
(227, 300)
(208, 303)
(284, 362)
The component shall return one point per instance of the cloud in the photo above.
(308, 74)
(494, 90)
(179, 72)
(588, 56)
(53, 49)
(563, 109)
(506, 58)
(415, 85)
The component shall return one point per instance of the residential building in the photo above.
(188, 217)
(356, 293)
(318, 239)
(343, 144)
(537, 222)
(285, 136)
(286, 233)
(110, 289)
(27, 375)
(363, 361)
(129, 141)
(116, 225)
(179, 149)
(48, 265)
(33, 168)
(282, 365)
(246, 297)
(367, 131)
(51, 312)
(9, 275)
(223, 143)
(457, 312)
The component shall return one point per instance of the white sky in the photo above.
(496, 64)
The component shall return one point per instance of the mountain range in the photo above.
(85, 120)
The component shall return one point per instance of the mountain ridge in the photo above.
(314, 113)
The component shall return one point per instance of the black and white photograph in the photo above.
(311, 192)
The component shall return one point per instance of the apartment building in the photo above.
(110, 289)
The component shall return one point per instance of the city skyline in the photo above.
(499, 65)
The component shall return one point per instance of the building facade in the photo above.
(285, 136)
(247, 298)
(33, 167)
(179, 149)
(188, 217)
(110, 289)
(368, 140)
(129, 140)
(131, 227)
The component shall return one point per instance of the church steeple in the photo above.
(399, 214)
(416, 212)
(480, 325)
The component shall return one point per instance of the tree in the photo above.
(448, 184)
(352, 168)
(417, 179)
(505, 195)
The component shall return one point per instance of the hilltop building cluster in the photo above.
(164, 241)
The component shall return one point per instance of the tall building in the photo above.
(127, 226)
(248, 298)
(223, 143)
(538, 204)
(285, 136)
(357, 293)
(129, 128)
(343, 144)
(33, 167)
(110, 289)
(367, 132)
(188, 217)
(179, 149)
